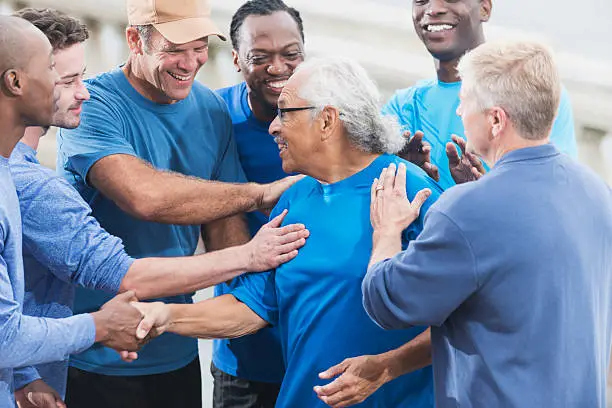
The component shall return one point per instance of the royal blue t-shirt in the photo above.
(315, 299)
(431, 107)
(257, 357)
(191, 137)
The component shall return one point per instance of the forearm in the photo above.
(217, 318)
(410, 357)
(161, 277)
(385, 245)
(26, 340)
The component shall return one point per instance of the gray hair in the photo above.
(518, 76)
(345, 85)
(145, 32)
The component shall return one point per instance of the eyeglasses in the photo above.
(281, 111)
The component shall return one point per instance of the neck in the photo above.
(136, 78)
(513, 142)
(261, 110)
(12, 129)
(447, 70)
(31, 136)
(340, 164)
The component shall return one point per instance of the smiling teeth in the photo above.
(277, 85)
(435, 28)
(180, 78)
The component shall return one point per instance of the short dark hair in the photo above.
(62, 30)
(261, 8)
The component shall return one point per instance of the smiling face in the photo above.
(270, 49)
(295, 132)
(70, 65)
(169, 69)
(450, 28)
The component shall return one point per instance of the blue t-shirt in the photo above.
(514, 274)
(315, 299)
(257, 357)
(431, 107)
(191, 137)
(26, 340)
(63, 246)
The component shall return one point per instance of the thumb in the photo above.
(43, 400)
(333, 371)
(148, 321)
(420, 199)
(277, 221)
(452, 154)
(127, 296)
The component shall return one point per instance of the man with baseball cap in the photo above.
(155, 158)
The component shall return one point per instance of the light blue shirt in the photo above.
(315, 299)
(431, 107)
(257, 357)
(26, 340)
(192, 137)
(514, 274)
(63, 246)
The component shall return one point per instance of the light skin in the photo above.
(149, 194)
(320, 148)
(269, 50)
(449, 29)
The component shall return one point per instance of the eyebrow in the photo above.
(74, 75)
(283, 49)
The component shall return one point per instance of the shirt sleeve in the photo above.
(71, 243)
(24, 376)
(563, 134)
(400, 106)
(413, 186)
(99, 134)
(26, 340)
(424, 284)
(229, 168)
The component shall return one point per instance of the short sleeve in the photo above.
(563, 134)
(400, 106)
(424, 284)
(413, 186)
(99, 134)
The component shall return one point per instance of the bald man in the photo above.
(27, 98)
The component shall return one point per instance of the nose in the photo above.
(275, 126)
(436, 8)
(277, 67)
(82, 93)
(190, 62)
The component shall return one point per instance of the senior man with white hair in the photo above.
(513, 272)
(329, 127)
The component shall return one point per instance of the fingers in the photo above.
(294, 237)
(417, 139)
(373, 193)
(460, 142)
(127, 296)
(333, 371)
(277, 221)
(284, 258)
(388, 178)
(476, 173)
(149, 320)
(407, 135)
(330, 389)
(432, 171)
(400, 180)
(128, 356)
(452, 154)
(287, 229)
(419, 200)
(476, 163)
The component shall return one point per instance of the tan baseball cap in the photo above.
(179, 21)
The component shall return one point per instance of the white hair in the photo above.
(345, 85)
(518, 76)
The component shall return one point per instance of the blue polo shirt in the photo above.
(63, 246)
(315, 299)
(257, 357)
(26, 340)
(431, 107)
(514, 274)
(192, 137)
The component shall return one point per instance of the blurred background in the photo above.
(379, 34)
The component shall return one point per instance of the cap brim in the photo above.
(188, 29)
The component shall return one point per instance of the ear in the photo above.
(485, 10)
(12, 82)
(134, 41)
(498, 120)
(329, 119)
(235, 60)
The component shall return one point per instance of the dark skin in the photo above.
(269, 50)
(447, 46)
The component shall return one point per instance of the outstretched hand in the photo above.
(418, 151)
(466, 168)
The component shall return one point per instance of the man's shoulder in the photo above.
(407, 95)
(230, 92)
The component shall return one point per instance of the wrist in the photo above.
(256, 193)
(243, 256)
(100, 323)
(386, 234)
(389, 370)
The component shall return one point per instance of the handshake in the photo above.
(125, 325)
